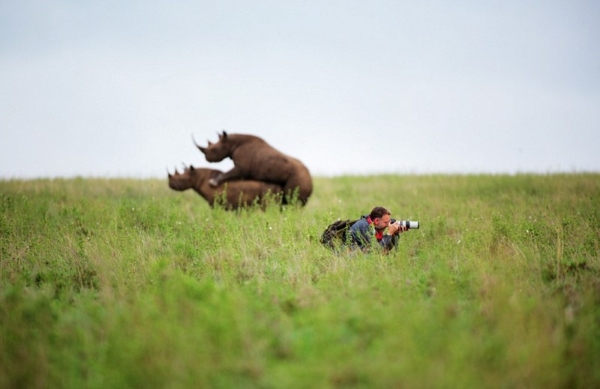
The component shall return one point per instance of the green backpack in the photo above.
(336, 233)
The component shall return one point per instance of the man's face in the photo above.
(381, 223)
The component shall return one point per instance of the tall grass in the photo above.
(125, 283)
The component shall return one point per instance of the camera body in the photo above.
(409, 224)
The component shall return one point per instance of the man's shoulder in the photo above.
(360, 223)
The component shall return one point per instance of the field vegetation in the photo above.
(115, 283)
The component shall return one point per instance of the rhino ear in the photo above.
(224, 134)
(209, 143)
(192, 168)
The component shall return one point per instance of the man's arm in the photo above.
(389, 241)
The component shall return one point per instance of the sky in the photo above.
(119, 88)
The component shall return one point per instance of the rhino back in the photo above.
(260, 161)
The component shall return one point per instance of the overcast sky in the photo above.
(118, 88)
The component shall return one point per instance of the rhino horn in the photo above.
(203, 149)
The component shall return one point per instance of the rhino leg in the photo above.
(234, 174)
(214, 182)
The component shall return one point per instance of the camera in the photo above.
(409, 224)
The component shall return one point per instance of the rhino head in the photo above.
(181, 181)
(191, 177)
(216, 152)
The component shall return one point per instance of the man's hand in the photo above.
(396, 228)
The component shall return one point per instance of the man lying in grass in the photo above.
(365, 232)
(373, 225)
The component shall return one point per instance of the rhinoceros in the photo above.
(255, 159)
(234, 194)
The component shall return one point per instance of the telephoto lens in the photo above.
(409, 224)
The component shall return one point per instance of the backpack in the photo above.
(335, 233)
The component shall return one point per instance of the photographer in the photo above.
(373, 225)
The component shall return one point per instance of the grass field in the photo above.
(114, 283)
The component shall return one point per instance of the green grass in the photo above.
(125, 283)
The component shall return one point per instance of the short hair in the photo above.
(378, 212)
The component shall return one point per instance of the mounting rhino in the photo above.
(234, 194)
(255, 159)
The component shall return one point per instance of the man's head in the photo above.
(380, 217)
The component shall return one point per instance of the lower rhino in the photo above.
(233, 194)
